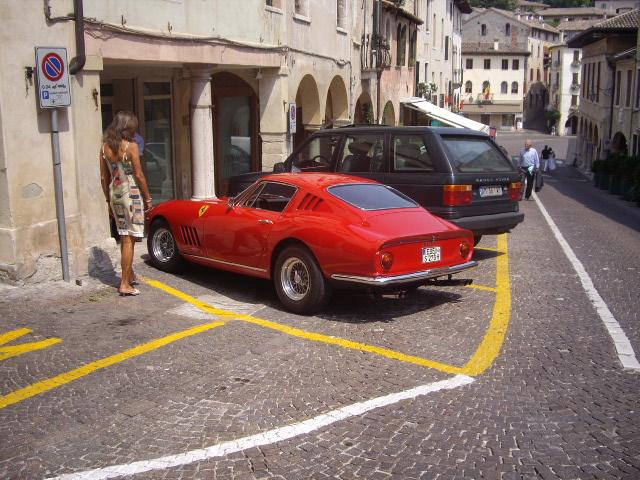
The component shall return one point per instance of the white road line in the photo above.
(626, 355)
(266, 438)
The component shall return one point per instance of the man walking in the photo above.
(529, 164)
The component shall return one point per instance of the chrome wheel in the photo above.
(163, 248)
(300, 283)
(164, 245)
(294, 278)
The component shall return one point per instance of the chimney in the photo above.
(496, 44)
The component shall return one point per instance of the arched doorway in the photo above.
(363, 112)
(389, 114)
(235, 128)
(308, 110)
(336, 112)
(619, 144)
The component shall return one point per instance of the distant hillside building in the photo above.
(525, 32)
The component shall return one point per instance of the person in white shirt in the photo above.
(529, 164)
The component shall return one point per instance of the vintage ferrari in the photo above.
(310, 233)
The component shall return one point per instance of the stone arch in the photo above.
(571, 125)
(337, 106)
(309, 116)
(619, 144)
(364, 112)
(388, 114)
(308, 101)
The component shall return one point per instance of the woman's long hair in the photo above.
(123, 126)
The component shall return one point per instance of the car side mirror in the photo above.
(279, 167)
(231, 203)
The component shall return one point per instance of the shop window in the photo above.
(158, 149)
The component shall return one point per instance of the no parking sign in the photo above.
(292, 117)
(53, 77)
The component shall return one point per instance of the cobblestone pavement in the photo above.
(555, 402)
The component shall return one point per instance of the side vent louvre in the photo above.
(190, 236)
(310, 202)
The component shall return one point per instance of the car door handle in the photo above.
(264, 221)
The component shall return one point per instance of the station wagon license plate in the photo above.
(493, 191)
(431, 254)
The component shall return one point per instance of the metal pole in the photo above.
(57, 180)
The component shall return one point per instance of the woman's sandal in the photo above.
(129, 294)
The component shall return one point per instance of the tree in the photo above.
(501, 4)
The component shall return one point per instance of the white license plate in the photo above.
(431, 254)
(490, 191)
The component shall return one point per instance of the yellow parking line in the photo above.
(481, 360)
(492, 342)
(64, 378)
(480, 287)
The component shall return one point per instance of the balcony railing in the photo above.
(555, 86)
(484, 98)
(375, 52)
(575, 86)
(556, 63)
(573, 108)
(576, 63)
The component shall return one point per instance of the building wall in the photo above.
(562, 91)
(309, 52)
(476, 104)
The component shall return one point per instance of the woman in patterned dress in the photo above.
(125, 188)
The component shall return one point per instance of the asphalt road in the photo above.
(205, 376)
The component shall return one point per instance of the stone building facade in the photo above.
(212, 84)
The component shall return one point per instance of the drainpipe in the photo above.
(376, 35)
(77, 62)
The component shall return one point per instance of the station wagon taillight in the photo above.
(458, 194)
(514, 191)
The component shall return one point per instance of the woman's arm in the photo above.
(105, 176)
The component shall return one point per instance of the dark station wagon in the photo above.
(457, 174)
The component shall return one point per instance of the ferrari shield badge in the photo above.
(203, 209)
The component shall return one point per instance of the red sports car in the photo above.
(311, 232)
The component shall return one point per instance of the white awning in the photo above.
(442, 115)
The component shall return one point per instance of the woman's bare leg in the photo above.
(127, 244)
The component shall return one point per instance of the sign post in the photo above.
(54, 91)
(292, 124)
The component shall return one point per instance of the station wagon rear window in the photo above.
(371, 196)
(475, 155)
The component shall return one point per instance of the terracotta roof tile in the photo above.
(625, 20)
(488, 48)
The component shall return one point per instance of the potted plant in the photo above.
(614, 164)
(635, 190)
(630, 170)
(597, 168)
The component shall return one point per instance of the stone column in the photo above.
(202, 156)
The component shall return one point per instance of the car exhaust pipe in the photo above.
(459, 282)
(400, 294)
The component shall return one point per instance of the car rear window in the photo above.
(371, 196)
(475, 155)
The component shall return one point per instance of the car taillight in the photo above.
(514, 191)
(458, 194)
(465, 249)
(386, 260)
